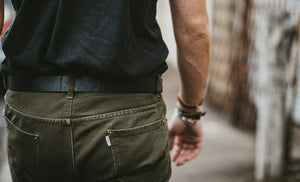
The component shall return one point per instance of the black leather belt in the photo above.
(151, 84)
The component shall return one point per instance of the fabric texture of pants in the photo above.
(87, 137)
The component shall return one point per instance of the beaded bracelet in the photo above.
(190, 118)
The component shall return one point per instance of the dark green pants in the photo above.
(87, 137)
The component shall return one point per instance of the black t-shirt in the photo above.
(111, 39)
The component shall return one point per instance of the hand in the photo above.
(186, 139)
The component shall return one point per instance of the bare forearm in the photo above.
(193, 62)
(192, 37)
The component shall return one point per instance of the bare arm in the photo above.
(1, 14)
(190, 23)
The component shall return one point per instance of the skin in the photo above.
(190, 21)
(1, 14)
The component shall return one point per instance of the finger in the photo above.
(177, 149)
(189, 152)
(182, 156)
(180, 160)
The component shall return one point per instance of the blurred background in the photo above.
(252, 129)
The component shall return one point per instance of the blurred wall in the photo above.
(219, 87)
(236, 43)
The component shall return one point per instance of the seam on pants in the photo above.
(69, 122)
(36, 118)
(37, 161)
(125, 112)
(114, 158)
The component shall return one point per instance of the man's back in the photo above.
(103, 38)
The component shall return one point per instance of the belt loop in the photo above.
(71, 83)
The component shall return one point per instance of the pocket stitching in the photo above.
(24, 133)
(32, 137)
(137, 130)
(36, 118)
(125, 112)
(159, 124)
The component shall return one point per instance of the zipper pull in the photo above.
(108, 140)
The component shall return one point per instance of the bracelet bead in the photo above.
(196, 115)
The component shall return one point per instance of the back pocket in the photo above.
(139, 148)
(22, 150)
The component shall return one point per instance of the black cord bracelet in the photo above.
(196, 115)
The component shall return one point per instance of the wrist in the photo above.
(189, 113)
(185, 109)
(188, 106)
(191, 118)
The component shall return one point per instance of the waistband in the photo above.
(151, 84)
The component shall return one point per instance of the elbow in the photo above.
(195, 30)
(198, 34)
